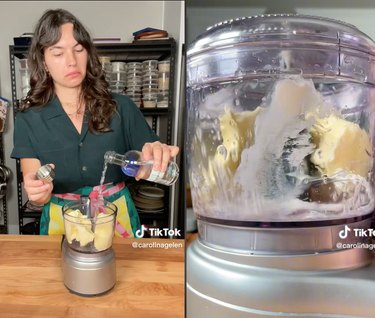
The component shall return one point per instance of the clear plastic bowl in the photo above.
(150, 64)
(150, 73)
(24, 64)
(163, 81)
(25, 90)
(119, 66)
(105, 59)
(133, 95)
(164, 66)
(149, 101)
(135, 65)
(107, 67)
(133, 72)
(149, 78)
(118, 76)
(148, 83)
(25, 77)
(117, 83)
(147, 91)
(150, 86)
(134, 80)
(134, 88)
(162, 99)
(117, 91)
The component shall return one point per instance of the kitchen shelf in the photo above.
(155, 111)
(27, 213)
(152, 216)
(161, 117)
(3, 229)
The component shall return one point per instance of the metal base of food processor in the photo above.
(88, 274)
(224, 282)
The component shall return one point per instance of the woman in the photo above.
(69, 119)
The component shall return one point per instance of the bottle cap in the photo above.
(45, 173)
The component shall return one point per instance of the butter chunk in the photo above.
(70, 225)
(78, 227)
(237, 132)
(84, 234)
(341, 145)
(70, 232)
(103, 232)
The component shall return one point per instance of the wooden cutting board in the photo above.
(150, 280)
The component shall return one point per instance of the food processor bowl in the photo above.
(89, 225)
(279, 144)
(280, 124)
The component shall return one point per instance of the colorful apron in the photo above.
(127, 219)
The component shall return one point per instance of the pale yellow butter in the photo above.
(103, 232)
(70, 226)
(78, 227)
(237, 131)
(341, 145)
(84, 233)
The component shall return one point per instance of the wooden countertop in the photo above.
(150, 281)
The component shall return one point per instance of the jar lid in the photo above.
(164, 62)
(282, 28)
(150, 62)
(105, 59)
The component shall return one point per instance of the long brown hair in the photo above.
(95, 93)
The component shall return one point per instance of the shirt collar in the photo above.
(53, 108)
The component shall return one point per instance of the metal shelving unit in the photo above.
(4, 212)
(161, 118)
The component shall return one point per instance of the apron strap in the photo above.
(112, 189)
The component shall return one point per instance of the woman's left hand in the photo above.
(160, 153)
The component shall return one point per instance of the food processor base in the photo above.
(88, 274)
(222, 284)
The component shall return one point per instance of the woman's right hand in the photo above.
(38, 191)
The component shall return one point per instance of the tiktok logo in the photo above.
(344, 233)
(141, 232)
(155, 232)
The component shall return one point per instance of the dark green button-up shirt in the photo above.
(46, 133)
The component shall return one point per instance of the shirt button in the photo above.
(81, 144)
(84, 168)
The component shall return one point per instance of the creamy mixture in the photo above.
(293, 157)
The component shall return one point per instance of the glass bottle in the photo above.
(132, 162)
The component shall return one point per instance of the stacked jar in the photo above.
(150, 83)
(118, 77)
(106, 66)
(134, 82)
(163, 84)
(25, 77)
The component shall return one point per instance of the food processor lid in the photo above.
(281, 28)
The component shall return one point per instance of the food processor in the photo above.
(280, 154)
(88, 260)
